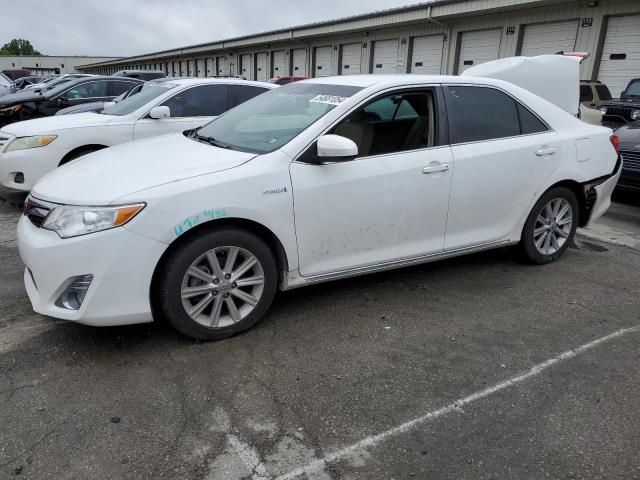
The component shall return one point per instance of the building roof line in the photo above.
(222, 42)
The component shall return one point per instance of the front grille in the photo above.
(37, 210)
(631, 159)
(624, 112)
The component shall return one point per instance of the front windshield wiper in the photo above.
(210, 140)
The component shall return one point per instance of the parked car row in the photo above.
(309, 182)
(36, 147)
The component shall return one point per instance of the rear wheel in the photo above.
(218, 284)
(551, 226)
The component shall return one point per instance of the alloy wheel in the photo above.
(222, 286)
(553, 226)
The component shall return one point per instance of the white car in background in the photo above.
(31, 149)
(6, 85)
(317, 180)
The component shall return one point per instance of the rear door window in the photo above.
(200, 101)
(241, 93)
(484, 113)
(97, 89)
(118, 87)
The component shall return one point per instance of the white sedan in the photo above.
(317, 180)
(31, 149)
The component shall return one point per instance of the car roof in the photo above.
(222, 80)
(371, 80)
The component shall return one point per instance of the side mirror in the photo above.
(108, 104)
(334, 148)
(62, 102)
(160, 112)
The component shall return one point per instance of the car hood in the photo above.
(19, 97)
(629, 101)
(104, 176)
(51, 124)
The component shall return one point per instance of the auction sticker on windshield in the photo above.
(328, 99)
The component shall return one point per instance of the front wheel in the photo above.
(551, 226)
(218, 284)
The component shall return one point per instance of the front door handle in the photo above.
(546, 151)
(435, 168)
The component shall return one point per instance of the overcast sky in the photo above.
(133, 27)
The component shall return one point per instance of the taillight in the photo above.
(615, 141)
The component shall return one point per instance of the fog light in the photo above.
(635, 115)
(18, 178)
(74, 294)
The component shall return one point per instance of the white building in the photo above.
(43, 64)
(440, 36)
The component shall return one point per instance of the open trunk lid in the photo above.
(555, 78)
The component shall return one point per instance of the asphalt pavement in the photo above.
(480, 367)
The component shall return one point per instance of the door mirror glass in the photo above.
(337, 148)
(160, 112)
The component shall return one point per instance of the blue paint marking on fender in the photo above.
(190, 222)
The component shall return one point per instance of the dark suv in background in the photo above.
(626, 110)
(26, 105)
(141, 74)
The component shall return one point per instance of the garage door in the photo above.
(183, 68)
(426, 55)
(351, 59)
(299, 62)
(210, 67)
(385, 56)
(620, 61)
(245, 67)
(222, 66)
(190, 68)
(549, 38)
(322, 61)
(261, 67)
(279, 64)
(478, 47)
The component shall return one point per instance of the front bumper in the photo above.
(122, 263)
(33, 163)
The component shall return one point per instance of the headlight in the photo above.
(603, 110)
(68, 221)
(31, 142)
(10, 110)
(635, 115)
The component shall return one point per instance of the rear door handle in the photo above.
(546, 151)
(435, 168)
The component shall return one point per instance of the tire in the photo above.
(78, 154)
(209, 296)
(550, 227)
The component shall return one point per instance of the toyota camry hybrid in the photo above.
(318, 180)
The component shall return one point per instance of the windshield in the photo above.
(633, 90)
(134, 102)
(603, 92)
(269, 121)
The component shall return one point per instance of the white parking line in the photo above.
(372, 441)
